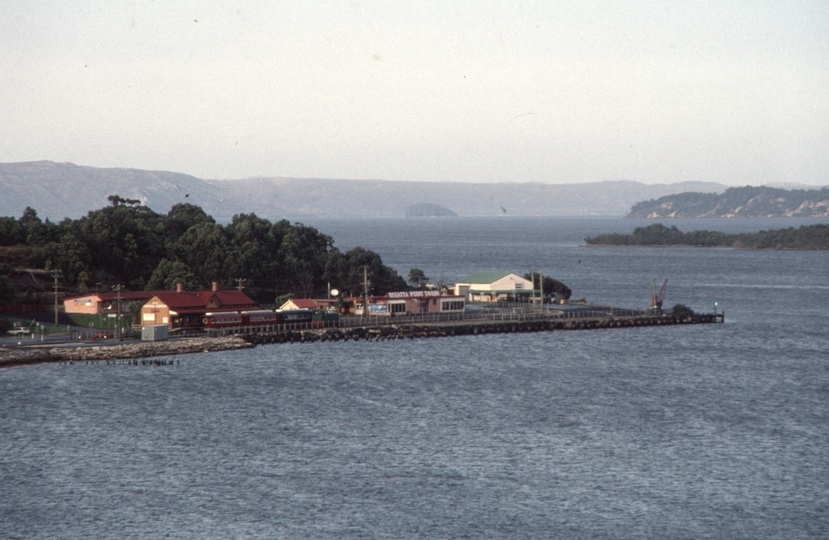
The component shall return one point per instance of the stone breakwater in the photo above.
(19, 357)
(381, 333)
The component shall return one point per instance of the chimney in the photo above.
(215, 286)
(179, 288)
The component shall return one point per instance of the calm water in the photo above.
(718, 431)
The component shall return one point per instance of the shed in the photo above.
(300, 303)
(492, 286)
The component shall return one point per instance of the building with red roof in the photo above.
(105, 302)
(186, 309)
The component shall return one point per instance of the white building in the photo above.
(493, 286)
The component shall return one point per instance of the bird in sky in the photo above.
(504, 209)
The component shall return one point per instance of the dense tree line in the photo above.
(131, 244)
(807, 237)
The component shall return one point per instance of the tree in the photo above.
(70, 255)
(302, 256)
(6, 291)
(135, 311)
(11, 232)
(551, 286)
(120, 201)
(345, 272)
(255, 243)
(205, 250)
(417, 277)
(38, 233)
(169, 273)
(181, 217)
(681, 310)
(126, 242)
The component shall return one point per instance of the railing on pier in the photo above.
(515, 314)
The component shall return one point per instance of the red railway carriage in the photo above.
(222, 320)
(261, 317)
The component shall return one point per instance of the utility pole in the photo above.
(239, 282)
(541, 288)
(365, 291)
(117, 289)
(56, 274)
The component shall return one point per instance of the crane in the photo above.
(656, 299)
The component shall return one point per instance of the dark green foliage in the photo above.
(130, 244)
(125, 242)
(345, 272)
(11, 232)
(807, 237)
(36, 232)
(302, 254)
(681, 310)
(183, 216)
(169, 273)
(551, 286)
(417, 277)
(6, 291)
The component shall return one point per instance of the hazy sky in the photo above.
(473, 91)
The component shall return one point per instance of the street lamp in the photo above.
(117, 289)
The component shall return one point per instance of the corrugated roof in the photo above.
(503, 291)
(125, 295)
(234, 297)
(303, 303)
(201, 299)
(484, 277)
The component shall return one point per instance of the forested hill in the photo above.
(811, 237)
(128, 243)
(753, 202)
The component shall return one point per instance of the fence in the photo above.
(502, 314)
(25, 308)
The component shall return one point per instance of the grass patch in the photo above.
(98, 321)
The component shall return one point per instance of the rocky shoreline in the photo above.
(22, 357)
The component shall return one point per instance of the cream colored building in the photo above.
(493, 286)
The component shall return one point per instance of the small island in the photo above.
(428, 210)
(807, 237)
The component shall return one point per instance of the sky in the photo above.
(726, 91)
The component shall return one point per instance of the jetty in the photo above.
(353, 329)
(391, 329)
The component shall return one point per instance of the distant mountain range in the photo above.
(755, 202)
(58, 190)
